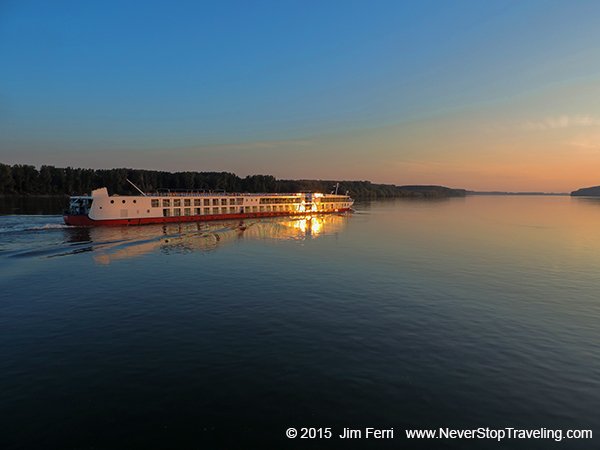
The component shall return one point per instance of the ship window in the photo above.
(187, 212)
(166, 212)
(254, 208)
(187, 202)
(239, 201)
(177, 202)
(135, 201)
(215, 210)
(223, 201)
(177, 212)
(197, 211)
(154, 203)
(206, 202)
(123, 201)
(166, 202)
(232, 210)
(112, 201)
(215, 201)
(196, 202)
(223, 210)
(206, 210)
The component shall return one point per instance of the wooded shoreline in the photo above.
(27, 180)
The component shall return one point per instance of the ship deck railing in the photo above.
(215, 194)
(227, 194)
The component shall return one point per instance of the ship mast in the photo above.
(131, 183)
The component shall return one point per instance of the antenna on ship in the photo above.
(131, 183)
(337, 185)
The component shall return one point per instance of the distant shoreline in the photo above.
(21, 180)
(593, 191)
(517, 193)
(27, 180)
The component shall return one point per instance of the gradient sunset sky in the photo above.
(475, 94)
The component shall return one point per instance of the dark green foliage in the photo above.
(49, 180)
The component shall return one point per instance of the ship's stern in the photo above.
(77, 214)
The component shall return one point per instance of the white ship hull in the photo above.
(103, 209)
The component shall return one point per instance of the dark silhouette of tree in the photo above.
(22, 179)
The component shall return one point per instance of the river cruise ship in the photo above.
(100, 208)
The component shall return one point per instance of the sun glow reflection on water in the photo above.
(466, 312)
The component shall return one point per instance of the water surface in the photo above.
(478, 311)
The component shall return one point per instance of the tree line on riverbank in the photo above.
(23, 179)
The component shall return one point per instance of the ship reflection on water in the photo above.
(113, 244)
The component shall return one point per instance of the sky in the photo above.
(492, 95)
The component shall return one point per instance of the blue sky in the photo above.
(388, 91)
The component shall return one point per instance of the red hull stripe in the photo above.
(85, 221)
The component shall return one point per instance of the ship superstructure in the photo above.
(100, 208)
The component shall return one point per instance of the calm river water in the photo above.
(461, 313)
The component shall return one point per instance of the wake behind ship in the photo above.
(100, 208)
